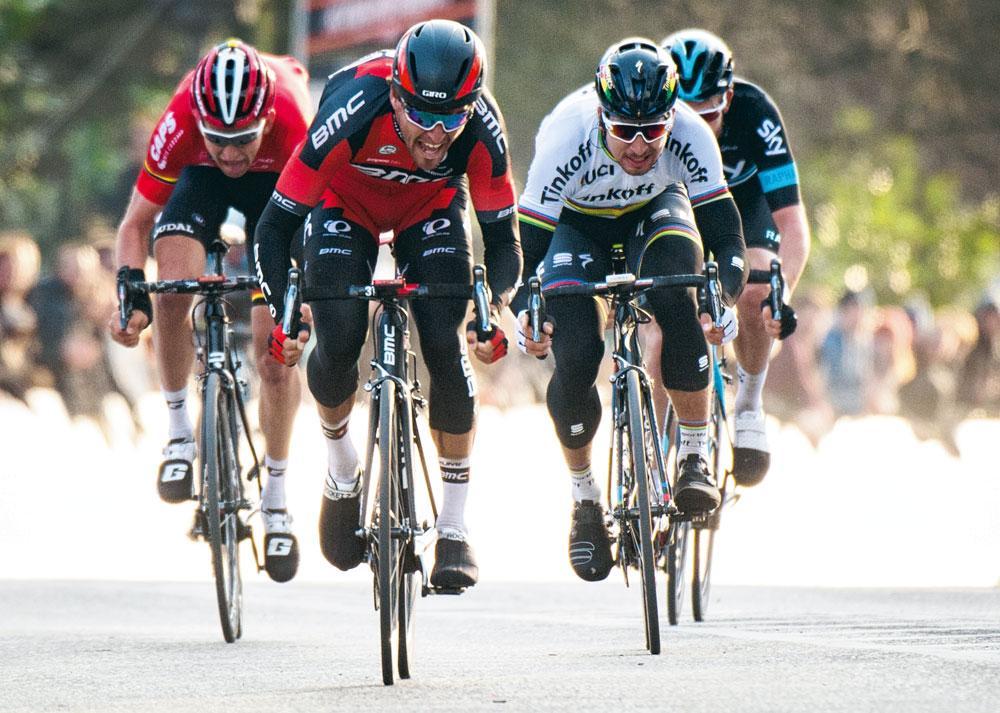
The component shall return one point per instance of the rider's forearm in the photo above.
(795, 242)
(132, 240)
(273, 256)
(722, 234)
(502, 255)
(534, 244)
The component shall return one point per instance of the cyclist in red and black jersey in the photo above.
(232, 124)
(400, 143)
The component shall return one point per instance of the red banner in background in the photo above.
(335, 26)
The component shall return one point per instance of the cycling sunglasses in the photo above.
(711, 113)
(628, 132)
(239, 138)
(427, 120)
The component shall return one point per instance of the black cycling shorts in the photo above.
(339, 251)
(659, 239)
(202, 198)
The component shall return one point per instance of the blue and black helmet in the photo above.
(636, 80)
(704, 63)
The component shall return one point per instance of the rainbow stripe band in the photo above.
(539, 220)
(680, 230)
(716, 195)
(606, 212)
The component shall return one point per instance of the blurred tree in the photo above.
(886, 221)
(71, 93)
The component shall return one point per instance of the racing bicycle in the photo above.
(396, 536)
(223, 503)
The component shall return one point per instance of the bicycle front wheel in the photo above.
(678, 534)
(642, 473)
(388, 545)
(220, 501)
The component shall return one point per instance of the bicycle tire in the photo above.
(704, 537)
(220, 503)
(641, 473)
(678, 534)
(408, 581)
(388, 546)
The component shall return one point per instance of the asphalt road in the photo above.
(114, 646)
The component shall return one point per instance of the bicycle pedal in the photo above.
(450, 591)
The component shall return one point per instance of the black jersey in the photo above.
(755, 152)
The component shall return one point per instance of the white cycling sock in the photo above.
(750, 392)
(455, 476)
(584, 486)
(693, 439)
(179, 424)
(341, 458)
(273, 497)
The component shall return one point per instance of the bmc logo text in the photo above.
(389, 345)
(492, 124)
(336, 120)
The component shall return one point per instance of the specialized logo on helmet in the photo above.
(638, 66)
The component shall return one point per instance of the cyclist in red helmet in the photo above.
(401, 142)
(221, 142)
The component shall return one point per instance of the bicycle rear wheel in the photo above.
(641, 472)
(220, 501)
(704, 532)
(388, 546)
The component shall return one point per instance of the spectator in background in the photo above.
(846, 358)
(795, 384)
(19, 264)
(73, 305)
(979, 376)
(892, 360)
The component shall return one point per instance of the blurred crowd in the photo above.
(849, 357)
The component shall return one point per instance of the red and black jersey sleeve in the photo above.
(352, 98)
(491, 185)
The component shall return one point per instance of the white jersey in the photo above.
(572, 169)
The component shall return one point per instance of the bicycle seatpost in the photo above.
(777, 289)
(481, 303)
(291, 321)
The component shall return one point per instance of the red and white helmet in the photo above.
(232, 87)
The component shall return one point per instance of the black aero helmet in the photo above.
(439, 66)
(704, 63)
(636, 80)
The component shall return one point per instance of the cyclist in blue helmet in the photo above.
(764, 182)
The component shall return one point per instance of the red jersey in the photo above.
(177, 143)
(354, 150)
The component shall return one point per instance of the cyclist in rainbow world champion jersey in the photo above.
(622, 162)
(228, 130)
(400, 143)
(764, 181)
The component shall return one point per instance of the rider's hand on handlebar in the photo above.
(491, 350)
(130, 335)
(288, 351)
(525, 337)
(779, 329)
(723, 334)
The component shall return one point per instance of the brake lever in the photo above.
(481, 303)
